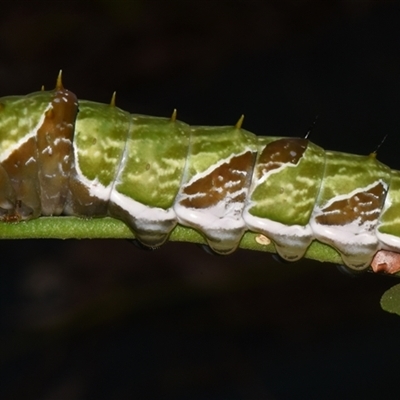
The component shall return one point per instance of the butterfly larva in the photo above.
(153, 173)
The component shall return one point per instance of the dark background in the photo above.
(103, 320)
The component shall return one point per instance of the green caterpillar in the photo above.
(153, 173)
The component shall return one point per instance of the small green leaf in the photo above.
(390, 300)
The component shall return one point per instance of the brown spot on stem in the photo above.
(280, 152)
(263, 240)
(364, 206)
(221, 183)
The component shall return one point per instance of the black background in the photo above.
(101, 319)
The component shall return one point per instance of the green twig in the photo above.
(108, 228)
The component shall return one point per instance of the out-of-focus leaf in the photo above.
(390, 300)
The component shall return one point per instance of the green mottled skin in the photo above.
(156, 151)
(209, 145)
(19, 116)
(347, 172)
(390, 218)
(100, 136)
(288, 195)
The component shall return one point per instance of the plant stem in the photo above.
(108, 228)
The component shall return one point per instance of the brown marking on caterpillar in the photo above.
(81, 202)
(281, 152)
(54, 149)
(362, 206)
(387, 262)
(22, 169)
(34, 178)
(221, 183)
(7, 195)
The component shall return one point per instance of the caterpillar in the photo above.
(61, 157)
